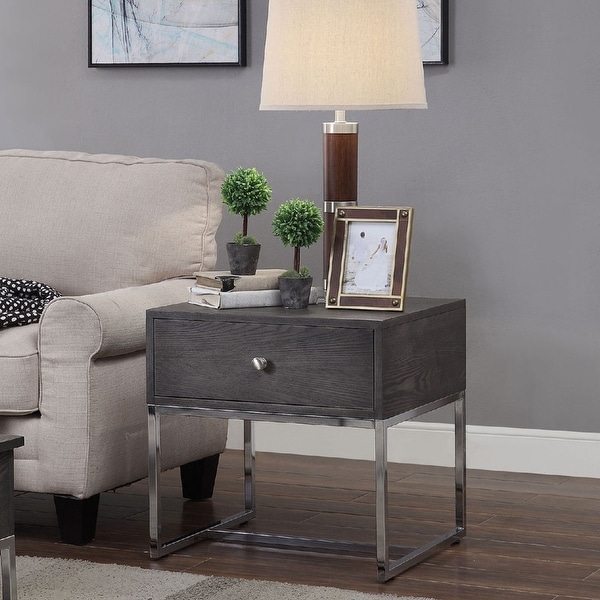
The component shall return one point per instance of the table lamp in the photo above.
(341, 55)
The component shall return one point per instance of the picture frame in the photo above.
(433, 29)
(368, 266)
(160, 33)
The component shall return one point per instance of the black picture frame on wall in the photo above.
(433, 27)
(166, 33)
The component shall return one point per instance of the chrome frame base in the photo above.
(9, 568)
(386, 567)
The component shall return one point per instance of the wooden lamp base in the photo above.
(340, 176)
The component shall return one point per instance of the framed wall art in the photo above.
(167, 33)
(368, 266)
(433, 27)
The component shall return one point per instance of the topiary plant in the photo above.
(245, 192)
(298, 223)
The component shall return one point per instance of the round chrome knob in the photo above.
(259, 363)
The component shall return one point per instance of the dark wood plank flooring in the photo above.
(530, 537)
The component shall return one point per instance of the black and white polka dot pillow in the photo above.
(22, 301)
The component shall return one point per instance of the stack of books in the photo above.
(261, 289)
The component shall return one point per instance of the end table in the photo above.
(366, 369)
(7, 524)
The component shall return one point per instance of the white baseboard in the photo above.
(490, 448)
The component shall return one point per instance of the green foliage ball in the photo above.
(298, 223)
(245, 192)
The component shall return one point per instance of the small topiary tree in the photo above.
(245, 192)
(298, 223)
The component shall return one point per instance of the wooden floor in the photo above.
(530, 537)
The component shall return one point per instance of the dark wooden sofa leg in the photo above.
(77, 518)
(198, 477)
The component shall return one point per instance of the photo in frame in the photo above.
(433, 29)
(166, 33)
(368, 265)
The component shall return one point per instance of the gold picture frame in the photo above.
(368, 264)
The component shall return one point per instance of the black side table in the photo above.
(7, 525)
(370, 369)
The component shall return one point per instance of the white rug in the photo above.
(60, 579)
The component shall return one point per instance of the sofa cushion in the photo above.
(19, 370)
(87, 223)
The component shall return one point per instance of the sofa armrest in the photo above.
(105, 324)
(92, 430)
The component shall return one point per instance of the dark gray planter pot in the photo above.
(295, 291)
(243, 258)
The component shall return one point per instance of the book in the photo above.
(212, 298)
(264, 279)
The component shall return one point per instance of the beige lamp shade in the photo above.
(342, 55)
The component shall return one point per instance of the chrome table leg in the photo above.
(158, 548)
(387, 569)
(154, 471)
(381, 500)
(249, 466)
(460, 462)
(9, 568)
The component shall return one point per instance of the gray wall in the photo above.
(503, 171)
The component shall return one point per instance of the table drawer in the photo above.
(325, 367)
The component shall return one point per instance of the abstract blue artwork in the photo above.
(166, 32)
(433, 28)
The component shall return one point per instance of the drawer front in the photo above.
(325, 367)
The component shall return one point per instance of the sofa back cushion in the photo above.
(85, 223)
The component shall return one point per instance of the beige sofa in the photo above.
(115, 235)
